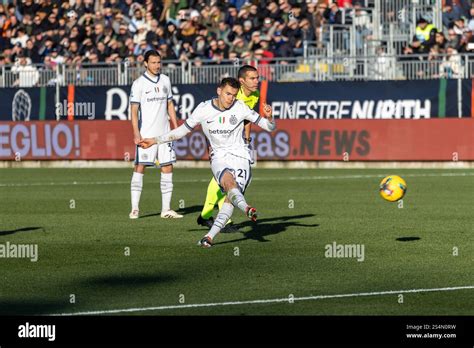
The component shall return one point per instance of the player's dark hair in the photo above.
(244, 70)
(232, 82)
(151, 53)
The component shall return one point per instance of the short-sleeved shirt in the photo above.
(152, 94)
(224, 129)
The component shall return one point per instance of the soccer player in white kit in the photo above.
(222, 121)
(151, 102)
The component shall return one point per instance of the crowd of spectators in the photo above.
(95, 31)
(441, 47)
(107, 31)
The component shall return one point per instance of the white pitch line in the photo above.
(276, 300)
(281, 178)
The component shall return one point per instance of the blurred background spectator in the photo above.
(117, 30)
(76, 32)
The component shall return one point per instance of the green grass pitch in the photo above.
(79, 220)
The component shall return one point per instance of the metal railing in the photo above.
(384, 67)
(381, 66)
(380, 22)
(339, 39)
(89, 75)
(348, 38)
(395, 20)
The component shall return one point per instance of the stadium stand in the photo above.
(88, 42)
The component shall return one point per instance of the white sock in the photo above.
(136, 189)
(166, 190)
(221, 219)
(237, 199)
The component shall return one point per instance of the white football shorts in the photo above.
(156, 155)
(237, 166)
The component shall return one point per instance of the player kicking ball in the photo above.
(249, 94)
(222, 121)
(151, 102)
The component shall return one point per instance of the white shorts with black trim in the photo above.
(156, 155)
(237, 166)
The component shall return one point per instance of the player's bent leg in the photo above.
(221, 219)
(236, 197)
(166, 185)
(136, 187)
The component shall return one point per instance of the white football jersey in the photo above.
(152, 94)
(224, 129)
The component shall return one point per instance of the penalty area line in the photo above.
(276, 300)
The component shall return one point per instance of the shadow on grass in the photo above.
(190, 210)
(24, 229)
(407, 239)
(30, 307)
(268, 227)
(129, 280)
(184, 211)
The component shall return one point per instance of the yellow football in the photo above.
(393, 188)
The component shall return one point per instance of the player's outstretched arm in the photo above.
(179, 132)
(175, 134)
(267, 125)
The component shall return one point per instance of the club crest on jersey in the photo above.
(165, 90)
(233, 120)
(221, 120)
